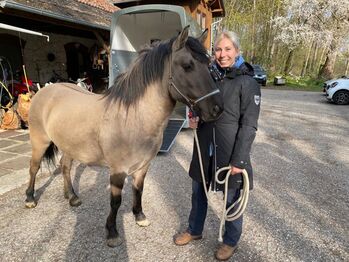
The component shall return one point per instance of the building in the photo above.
(203, 11)
(67, 39)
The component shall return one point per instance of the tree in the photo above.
(334, 21)
(294, 28)
(321, 19)
(305, 37)
(251, 21)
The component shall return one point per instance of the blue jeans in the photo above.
(233, 229)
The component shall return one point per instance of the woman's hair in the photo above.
(231, 36)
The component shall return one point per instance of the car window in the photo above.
(258, 69)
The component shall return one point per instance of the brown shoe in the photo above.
(184, 238)
(224, 252)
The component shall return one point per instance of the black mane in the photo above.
(148, 68)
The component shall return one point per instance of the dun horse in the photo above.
(123, 128)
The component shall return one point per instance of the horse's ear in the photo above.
(203, 36)
(181, 39)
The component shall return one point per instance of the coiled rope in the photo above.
(241, 203)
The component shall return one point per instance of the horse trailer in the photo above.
(133, 28)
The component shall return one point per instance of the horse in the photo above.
(122, 128)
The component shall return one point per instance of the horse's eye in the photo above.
(187, 67)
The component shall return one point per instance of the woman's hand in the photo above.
(235, 170)
(193, 122)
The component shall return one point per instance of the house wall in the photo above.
(38, 67)
(202, 15)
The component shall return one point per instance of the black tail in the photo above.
(50, 154)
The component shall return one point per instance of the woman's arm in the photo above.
(248, 122)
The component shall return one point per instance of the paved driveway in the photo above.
(298, 210)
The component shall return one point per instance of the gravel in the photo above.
(298, 210)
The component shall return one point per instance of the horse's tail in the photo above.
(50, 154)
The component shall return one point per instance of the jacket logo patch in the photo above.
(257, 99)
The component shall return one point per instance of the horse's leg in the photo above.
(116, 184)
(137, 188)
(66, 163)
(38, 151)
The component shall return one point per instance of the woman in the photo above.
(226, 142)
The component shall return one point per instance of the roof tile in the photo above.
(102, 4)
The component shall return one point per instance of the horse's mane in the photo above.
(148, 68)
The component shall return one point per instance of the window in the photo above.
(201, 19)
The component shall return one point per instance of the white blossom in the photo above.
(304, 20)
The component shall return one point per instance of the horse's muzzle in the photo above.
(212, 114)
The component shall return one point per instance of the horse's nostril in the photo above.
(216, 110)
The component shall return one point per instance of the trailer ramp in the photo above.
(174, 126)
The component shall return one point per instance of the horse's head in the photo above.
(190, 79)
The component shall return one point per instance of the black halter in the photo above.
(191, 102)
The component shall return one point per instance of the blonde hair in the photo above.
(231, 36)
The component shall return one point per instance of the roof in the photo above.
(216, 7)
(103, 4)
(87, 13)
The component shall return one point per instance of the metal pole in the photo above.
(18, 29)
(212, 26)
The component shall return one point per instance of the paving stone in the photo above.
(8, 133)
(20, 149)
(4, 156)
(16, 163)
(4, 171)
(6, 143)
(22, 137)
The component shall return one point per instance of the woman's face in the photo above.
(225, 53)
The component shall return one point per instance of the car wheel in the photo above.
(341, 97)
(264, 83)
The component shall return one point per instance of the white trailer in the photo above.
(136, 26)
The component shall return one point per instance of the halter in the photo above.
(192, 103)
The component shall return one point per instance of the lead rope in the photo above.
(241, 202)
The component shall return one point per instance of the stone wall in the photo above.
(38, 67)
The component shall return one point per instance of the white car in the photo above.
(337, 90)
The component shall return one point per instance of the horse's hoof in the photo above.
(30, 204)
(66, 195)
(114, 242)
(75, 201)
(143, 223)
